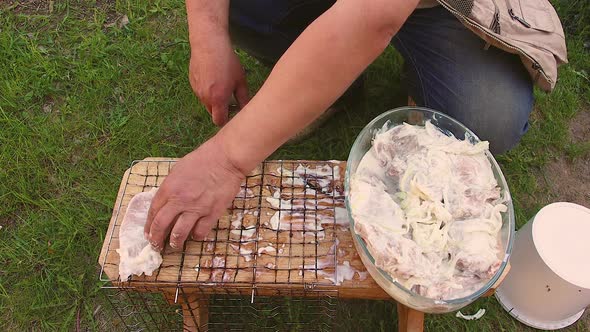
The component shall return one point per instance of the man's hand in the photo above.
(215, 73)
(193, 196)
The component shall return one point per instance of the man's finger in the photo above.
(157, 203)
(209, 108)
(219, 114)
(203, 227)
(241, 93)
(182, 228)
(161, 225)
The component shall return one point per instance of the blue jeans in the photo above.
(447, 66)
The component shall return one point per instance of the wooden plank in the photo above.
(195, 309)
(105, 245)
(292, 264)
(409, 320)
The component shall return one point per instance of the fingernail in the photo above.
(154, 246)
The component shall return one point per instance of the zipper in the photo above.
(495, 25)
(516, 17)
(479, 27)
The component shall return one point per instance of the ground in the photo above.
(83, 93)
(569, 180)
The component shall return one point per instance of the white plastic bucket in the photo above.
(548, 286)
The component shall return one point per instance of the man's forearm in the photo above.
(314, 72)
(207, 18)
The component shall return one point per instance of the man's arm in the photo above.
(310, 76)
(314, 71)
(215, 72)
(206, 17)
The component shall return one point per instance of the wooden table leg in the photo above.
(409, 320)
(195, 310)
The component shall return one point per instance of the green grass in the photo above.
(79, 102)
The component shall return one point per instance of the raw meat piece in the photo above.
(137, 255)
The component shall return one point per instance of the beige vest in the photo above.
(528, 28)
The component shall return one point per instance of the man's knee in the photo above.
(504, 137)
(499, 116)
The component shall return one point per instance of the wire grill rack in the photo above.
(153, 309)
(257, 269)
(279, 229)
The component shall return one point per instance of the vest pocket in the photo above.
(534, 14)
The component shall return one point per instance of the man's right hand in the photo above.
(193, 196)
(215, 73)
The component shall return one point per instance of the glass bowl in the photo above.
(362, 144)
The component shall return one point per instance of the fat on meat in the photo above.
(136, 254)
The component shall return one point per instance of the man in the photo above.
(318, 49)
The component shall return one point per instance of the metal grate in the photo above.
(286, 310)
(153, 309)
(257, 269)
(138, 310)
(280, 229)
